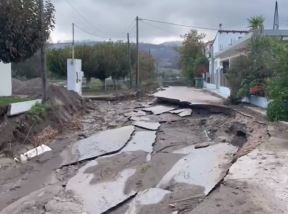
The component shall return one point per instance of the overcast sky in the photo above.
(112, 19)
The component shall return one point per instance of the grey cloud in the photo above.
(111, 18)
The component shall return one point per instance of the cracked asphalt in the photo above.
(181, 166)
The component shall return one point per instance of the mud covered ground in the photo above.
(135, 181)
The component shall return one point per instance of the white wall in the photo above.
(225, 40)
(221, 91)
(261, 102)
(222, 41)
(5, 80)
(74, 75)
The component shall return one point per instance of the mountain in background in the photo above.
(166, 54)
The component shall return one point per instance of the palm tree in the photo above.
(256, 23)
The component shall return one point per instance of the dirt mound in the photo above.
(64, 104)
(29, 87)
(21, 131)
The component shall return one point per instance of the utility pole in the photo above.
(137, 53)
(43, 53)
(129, 60)
(73, 42)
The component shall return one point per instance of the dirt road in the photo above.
(141, 157)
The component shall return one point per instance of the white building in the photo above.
(5, 80)
(218, 63)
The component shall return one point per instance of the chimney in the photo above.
(220, 26)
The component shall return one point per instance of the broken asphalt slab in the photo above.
(95, 181)
(182, 112)
(147, 125)
(99, 197)
(97, 145)
(205, 167)
(159, 109)
(187, 95)
(145, 199)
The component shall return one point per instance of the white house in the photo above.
(5, 80)
(229, 44)
(218, 64)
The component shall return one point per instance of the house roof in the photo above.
(242, 43)
(275, 33)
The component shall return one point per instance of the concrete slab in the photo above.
(185, 113)
(98, 197)
(147, 125)
(204, 167)
(188, 95)
(97, 145)
(182, 112)
(148, 197)
(22, 107)
(34, 153)
(159, 109)
(139, 119)
(141, 141)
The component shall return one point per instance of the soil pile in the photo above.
(21, 131)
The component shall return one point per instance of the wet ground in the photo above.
(135, 157)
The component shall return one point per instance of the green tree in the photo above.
(277, 85)
(20, 26)
(57, 61)
(147, 67)
(256, 23)
(238, 71)
(192, 54)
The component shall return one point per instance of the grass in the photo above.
(4, 101)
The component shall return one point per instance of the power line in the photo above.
(82, 16)
(180, 25)
(131, 25)
(158, 28)
(85, 31)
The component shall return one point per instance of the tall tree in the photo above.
(192, 54)
(25, 27)
(256, 23)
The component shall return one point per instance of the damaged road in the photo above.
(147, 159)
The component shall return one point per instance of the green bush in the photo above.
(38, 112)
(278, 110)
(277, 86)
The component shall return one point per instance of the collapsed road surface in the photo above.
(152, 158)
